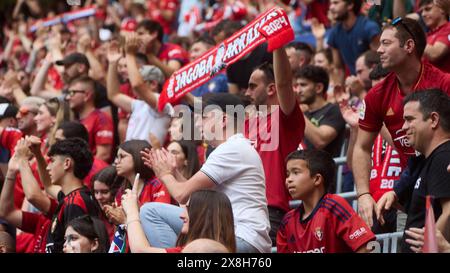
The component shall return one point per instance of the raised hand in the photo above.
(317, 29)
(353, 85)
(130, 203)
(132, 43)
(341, 95)
(54, 42)
(161, 162)
(21, 151)
(34, 144)
(84, 43)
(350, 114)
(113, 52)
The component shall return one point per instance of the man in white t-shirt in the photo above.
(146, 81)
(234, 168)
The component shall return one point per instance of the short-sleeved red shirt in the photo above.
(441, 34)
(275, 137)
(332, 227)
(100, 128)
(384, 103)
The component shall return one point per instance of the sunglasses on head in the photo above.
(399, 22)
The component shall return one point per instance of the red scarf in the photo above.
(272, 26)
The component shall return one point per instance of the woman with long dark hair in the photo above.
(207, 214)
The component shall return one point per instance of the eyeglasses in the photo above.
(23, 111)
(399, 21)
(72, 92)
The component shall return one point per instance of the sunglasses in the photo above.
(24, 111)
(399, 22)
(73, 92)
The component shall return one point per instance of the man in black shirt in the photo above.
(325, 127)
(427, 126)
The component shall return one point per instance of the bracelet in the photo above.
(10, 178)
(364, 193)
(134, 220)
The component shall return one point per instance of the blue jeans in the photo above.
(162, 224)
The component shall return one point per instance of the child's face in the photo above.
(299, 182)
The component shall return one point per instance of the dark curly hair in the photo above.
(78, 150)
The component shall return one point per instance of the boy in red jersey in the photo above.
(324, 222)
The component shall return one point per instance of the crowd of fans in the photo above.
(89, 164)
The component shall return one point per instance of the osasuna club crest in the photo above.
(318, 234)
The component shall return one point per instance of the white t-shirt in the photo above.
(237, 170)
(145, 120)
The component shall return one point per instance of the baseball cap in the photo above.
(152, 73)
(8, 110)
(74, 58)
(128, 24)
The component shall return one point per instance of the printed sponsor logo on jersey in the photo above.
(362, 110)
(358, 233)
(318, 234)
(174, 52)
(403, 141)
(418, 183)
(159, 194)
(314, 250)
(105, 133)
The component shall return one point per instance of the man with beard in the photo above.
(324, 125)
(77, 65)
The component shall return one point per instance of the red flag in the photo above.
(429, 240)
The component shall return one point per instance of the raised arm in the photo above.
(32, 191)
(7, 210)
(112, 80)
(338, 65)
(96, 71)
(283, 81)
(34, 143)
(137, 82)
(136, 236)
(38, 84)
